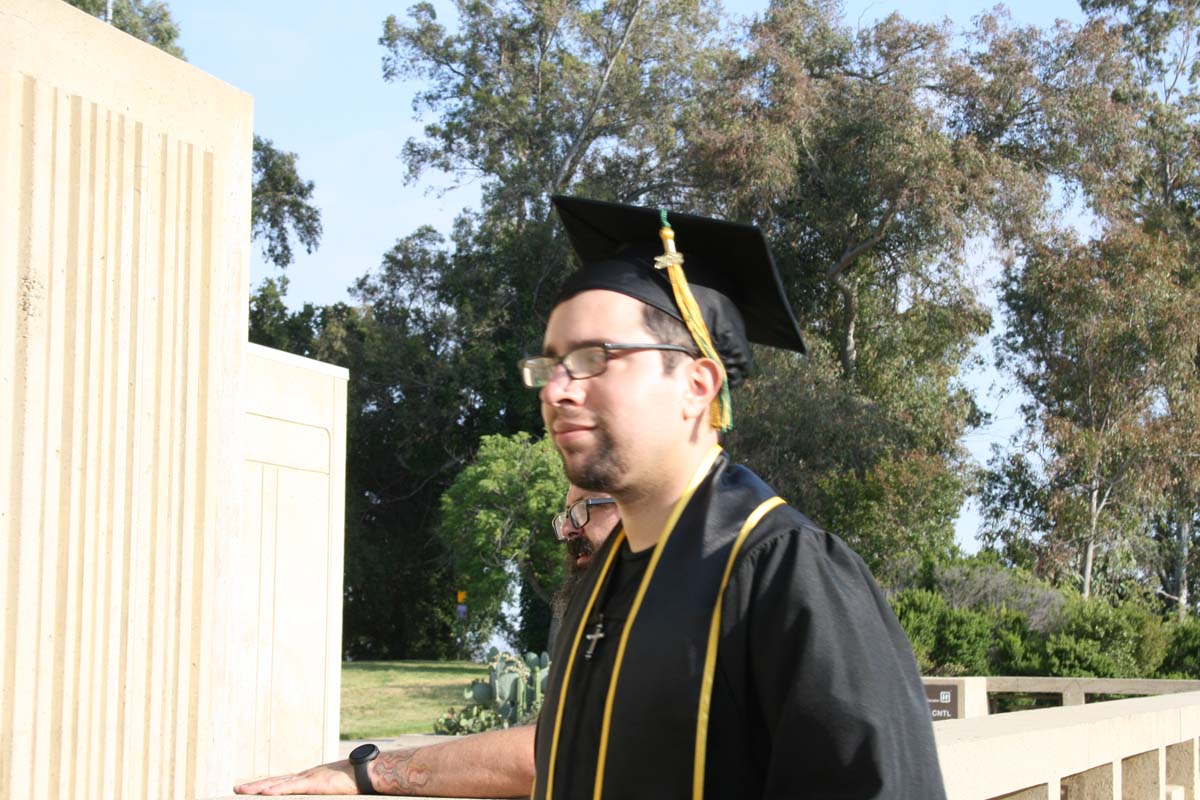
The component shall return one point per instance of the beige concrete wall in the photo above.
(291, 584)
(124, 230)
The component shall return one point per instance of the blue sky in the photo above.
(314, 71)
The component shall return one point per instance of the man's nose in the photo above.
(561, 387)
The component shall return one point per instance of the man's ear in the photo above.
(703, 381)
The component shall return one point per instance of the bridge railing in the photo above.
(1138, 749)
(1074, 691)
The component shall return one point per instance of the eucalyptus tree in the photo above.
(1113, 416)
(1092, 330)
(879, 160)
(534, 98)
(1156, 184)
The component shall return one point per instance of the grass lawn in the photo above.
(386, 698)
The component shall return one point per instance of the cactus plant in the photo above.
(511, 695)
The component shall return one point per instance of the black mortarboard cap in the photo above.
(728, 267)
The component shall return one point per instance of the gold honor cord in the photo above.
(710, 655)
(562, 695)
(671, 260)
(668, 529)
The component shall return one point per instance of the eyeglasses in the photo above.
(582, 362)
(579, 513)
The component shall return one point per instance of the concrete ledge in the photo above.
(990, 757)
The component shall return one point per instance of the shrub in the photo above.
(1182, 658)
(979, 583)
(1104, 641)
(945, 640)
(920, 612)
(964, 641)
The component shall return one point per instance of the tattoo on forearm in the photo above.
(395, 772)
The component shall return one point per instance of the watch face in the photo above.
(364, 752)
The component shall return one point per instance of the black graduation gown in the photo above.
(762, 661)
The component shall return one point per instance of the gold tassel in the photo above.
(721, 416)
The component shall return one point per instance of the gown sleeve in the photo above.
(829, 674)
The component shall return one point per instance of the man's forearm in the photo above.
(492, 764)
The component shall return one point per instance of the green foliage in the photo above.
(1103, 333)
(965, 641)
(272, 324)
(888, 481)
(903, 506)
(281, 204)
(1017, 646)
(511, 695)
(920, 613)
(1105, 641)
(945, 640)
(495, 523)
(1093, 331)
(1182, 659)
(972, 617)
(980, 582)
(466, 721)
(536, 97)
(848, 149)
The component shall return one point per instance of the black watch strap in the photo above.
(361, 758)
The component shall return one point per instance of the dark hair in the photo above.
(665, 329)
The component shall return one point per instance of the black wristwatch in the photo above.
(361, 758)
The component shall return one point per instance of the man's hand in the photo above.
(336, 777)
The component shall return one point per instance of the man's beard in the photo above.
(576, 547)
(602, 472)
(579, 546)
(566, 589)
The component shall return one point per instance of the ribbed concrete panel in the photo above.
(124, 199)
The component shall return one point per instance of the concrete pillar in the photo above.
(1094, 784)
(1181, 767)
(1141, 776)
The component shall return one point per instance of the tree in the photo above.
(1092, 329)
(1158, 187)
(535, 98)
(446, 321)
(495, 523)
(866, 159)
(841, 146)
(1124, 139)
(281, 204)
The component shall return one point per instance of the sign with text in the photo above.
(943, 701)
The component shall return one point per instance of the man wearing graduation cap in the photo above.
(722, 644)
